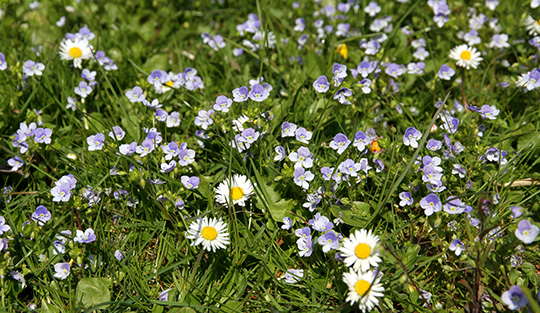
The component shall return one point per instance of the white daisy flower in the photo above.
(532, 25)
(76, 50)
(364, 289)
(359, 250)
(212, 233)
(466, 56)
(238, 188)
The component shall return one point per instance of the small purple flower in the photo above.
(365, 85)
(406, 199)
(128, 149)
(489, 112)
(302, 158)
(222, 104)
(431, 203)
(340, 143)
(526, 232)
(95, 142)
(31, 68)
(446, 72)
(16, 163)
(303, 135)
(204, 119)
(361, 140)
(136, 94)
(372, 47)
(454, 206)
(145, 148)
(3, 226)
(240, 94)
(380, 165)
(329, 241)
(173, 119)
(395, 70)
(41, 215)
(416, 68)
(238, 52)
(85, 237)
(3, 64)
(61, 193)
(83, 89)
(342, 95)
(293, 276)
(167, 167)
(303, 177)
(514, 298)
(117, 133)
(327, 172)
(321, 223)
(287, 223)
(164, 295)
(249, 135)
(516, 211)
(434, 145)
(459, 170)
(303, 232)
(42, 135)
(258, 93)
(161, 115)
(62, 270)
(321, 85)
(185, 156)
(339, 70)
(280, 153)
(372, 9)
(157, 78)
(450, 124)
(89, 76)
(305, 247)
(411, 137)
(457, 246)
(288, 129)
(190, 182)
(349, 168)
(119, 255)
(364, 69)
(85, 33)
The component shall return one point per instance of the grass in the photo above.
(133, 207)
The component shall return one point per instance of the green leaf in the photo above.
(281, 209)
(411, 255)
(356, 214)
(93, 291)
(157, 61)
(48, 308)
(182, 310)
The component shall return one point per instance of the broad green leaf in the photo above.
(281, 209)
(92, 291)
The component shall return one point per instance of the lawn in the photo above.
(269, 156)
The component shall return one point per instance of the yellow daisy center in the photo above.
(361, 287)
(75, 52)
(169, 83)
(237, 193)
(362, 251)
(465, 55)
(209, 233)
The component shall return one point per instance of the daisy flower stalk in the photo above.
(236, 189)
(211, 233)
(76, 50)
